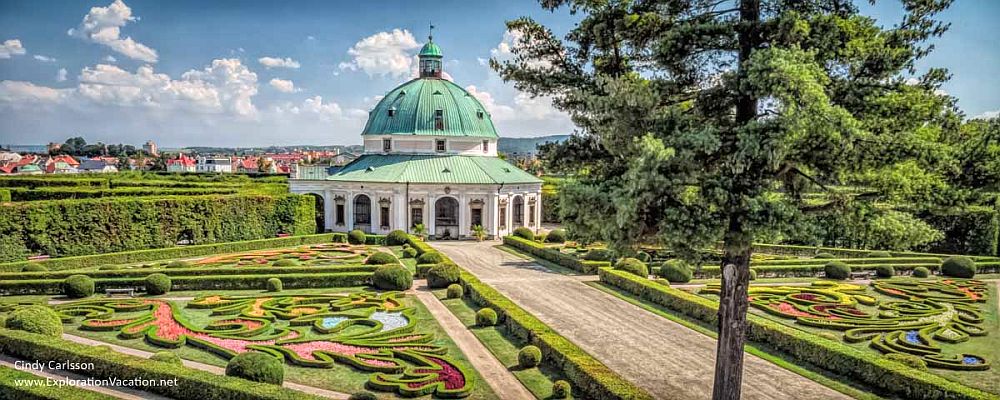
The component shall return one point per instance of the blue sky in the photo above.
(258, 73)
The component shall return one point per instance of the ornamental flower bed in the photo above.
(381, 340)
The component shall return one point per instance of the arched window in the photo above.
(362, 210)
(518, 211)
(446, 212)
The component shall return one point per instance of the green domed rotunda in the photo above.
(430, 158)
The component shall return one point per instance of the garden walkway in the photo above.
(659, 355)
(123, 393)
(492, 370)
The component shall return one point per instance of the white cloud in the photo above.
(27, 92)
(61, 75)
(102, 25)
(111, 59)
(383, 54)
(988, 115)
(310, 37)
(11, 47)
(42, 58)
(506, 48)
(315, 106)
(283, 85)
(522, 115)
(272, 62)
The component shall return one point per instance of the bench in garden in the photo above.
(862, 275)
(124, 291)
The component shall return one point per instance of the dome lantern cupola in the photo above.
(430, 58)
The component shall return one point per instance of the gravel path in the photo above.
(59, 375)
(492, 370)
(661, 356)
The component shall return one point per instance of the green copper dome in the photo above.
(431, 107)
(430, 50)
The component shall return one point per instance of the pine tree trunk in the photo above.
(732, 313)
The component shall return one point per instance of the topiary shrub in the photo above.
(836, 270)
(561, 390)
(921, 272)
(753, 274)
(633, 266)
(274, 285)
(356, 236)
(34, 268)
(430, 257)
(909, 360)
(442, 275)
(486, 317)
(409, 253)
(525, 233)
(381, 258)
(556, 236)
(78, 286)
(958, 267)
(157, 284)
(884, 271)
(396, 238)
(35, 319)
(676, 271)
(599, 255)
(529, 357)
(455, 291)
(879, 254)
(257, 367)
(285, 262)
(166, 356)
(178, 264)
(363, 396)
(392, 277)
(824, 256)
(644, 257)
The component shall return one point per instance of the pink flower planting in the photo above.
(788, 309)
(114, 322)
(451, 376)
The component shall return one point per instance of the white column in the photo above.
(349, 210)
(328, 210)
(431, 199)
(463, 215)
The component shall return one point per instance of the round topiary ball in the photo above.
(556, 236)
(35, 319)
(633, 266)
(524, 233)
(356, 236)
(884, 271)
(392, 277)
(879, 254)
(836, 270)
(34, 268)
(921, 272)
(455, 291)
(430, 257)
(958, 267)
(486, 317)
(753, 274)
(909, 360)
(824, 256)
(363, 396)
(599, 255)
(166, 356)
(561, 390)
(529, 357)
(396, 238)
(285, 262)
(178, 264)
(644, 257)
(274, 285)
(157, 284)
(257, 367)
(442, 275)
(676, 271)
(381, 258)
(78, 286)
(409, 253)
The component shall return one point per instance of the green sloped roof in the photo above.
(453, 169)
(413, 105)
(430, 50)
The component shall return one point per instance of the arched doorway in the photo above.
(446, 218)
(363, 213)
(518, 212)
(320, 212)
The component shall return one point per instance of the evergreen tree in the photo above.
(708, 120)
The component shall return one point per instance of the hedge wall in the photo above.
(62, 193)
(126, 257)
(566, 260)
(78, 227)
(865, 366)
(194, 271)
(4, 195)
(197, 282)
(839, 252)
(13, 388)
(972, 230)
(46, 181)
(591, 377)
(192, 384)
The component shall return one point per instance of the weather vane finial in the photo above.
(430, 34)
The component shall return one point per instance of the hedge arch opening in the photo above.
(320, 206)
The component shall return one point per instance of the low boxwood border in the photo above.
(194, 271)
(839, 252)
(839, 358)
(210, 282)
(591, 377)
(191, 383)
(565, 260)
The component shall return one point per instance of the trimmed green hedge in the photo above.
(63, 193)
(91, 226)
(192, 271)
(192, 384)
(209, 282)
(838, 252)
(11, 390)
(553, 255)
(867, 367)
(593, 378)
(4, 195)
(126, 257)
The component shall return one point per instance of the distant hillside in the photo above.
(526, 145)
